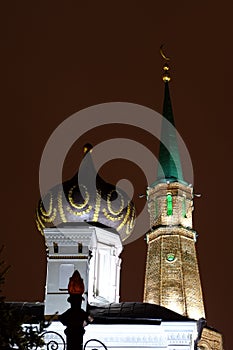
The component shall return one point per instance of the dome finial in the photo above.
(166, 74)
(87, 148)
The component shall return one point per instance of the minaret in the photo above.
(172, 276)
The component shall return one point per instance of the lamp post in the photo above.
(75, 318)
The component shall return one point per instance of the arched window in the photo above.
(156, 208)
(184, 207)
(169, 204)
(65, 272)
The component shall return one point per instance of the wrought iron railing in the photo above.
(51, 340)
(98, 346)
(47, 340)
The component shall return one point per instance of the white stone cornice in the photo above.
(174, 335)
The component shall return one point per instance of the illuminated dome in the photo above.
(87, 197)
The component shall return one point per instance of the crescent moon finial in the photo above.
(162, 53)
(166, 75)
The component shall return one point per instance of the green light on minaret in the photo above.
(169, 204)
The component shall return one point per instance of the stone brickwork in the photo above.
(172, 276)
(210, 340)
(182, 204)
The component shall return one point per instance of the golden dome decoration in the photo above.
(87, 201)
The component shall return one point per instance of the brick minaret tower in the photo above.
(172, 276)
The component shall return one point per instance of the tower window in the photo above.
(184, 207)
(65, 272)
(55, 247)
(80, 248)
(156, 208)
(169, 204)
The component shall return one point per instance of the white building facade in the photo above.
(93, 251)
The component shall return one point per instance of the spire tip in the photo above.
(166, 74)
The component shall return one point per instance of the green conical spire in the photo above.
(169, 167)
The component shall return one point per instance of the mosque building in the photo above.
(84, 221)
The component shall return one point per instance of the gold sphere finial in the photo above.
(87, 148)
(166, 74)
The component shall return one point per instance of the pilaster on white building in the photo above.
(93, 251)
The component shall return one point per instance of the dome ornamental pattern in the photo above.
(86, 197)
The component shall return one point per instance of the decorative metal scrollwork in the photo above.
(56, 343)
(97, 341)
(48, 340)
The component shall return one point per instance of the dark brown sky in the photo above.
(60, 57)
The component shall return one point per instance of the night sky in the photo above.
(60, 57)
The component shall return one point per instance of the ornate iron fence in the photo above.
(47, 340)
(98, 346)
(51, 340)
